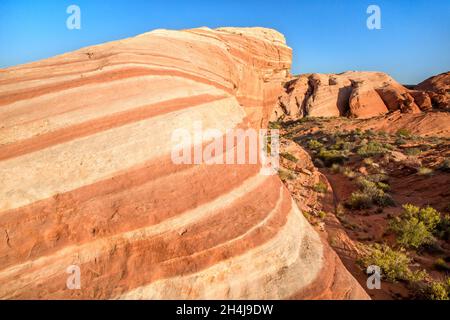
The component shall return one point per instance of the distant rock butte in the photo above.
(358, 95)
(87, 179)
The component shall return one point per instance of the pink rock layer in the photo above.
(87, 178)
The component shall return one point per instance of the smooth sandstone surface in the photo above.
(365, 102)
(87, 178)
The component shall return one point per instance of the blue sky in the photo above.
(326, 36)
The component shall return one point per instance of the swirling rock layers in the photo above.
(87, 177)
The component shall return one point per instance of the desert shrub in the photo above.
(441, 265)
(424, 171)
(349, 173)
(285, 174)
(436, 290)
(329, 157)
(369, 194)
(403, 133)
(342, 145)
(322, 214)
(336, 168)
(313, 144)
(394, 264)
(368, 161)
(378, 177)
(412, 233)
(400, 141)
(412, 151)
(320, 187)
(415, 226)
(288, 156)
(443, 228)
(371, 149)
(430, 216)
(383, 186)
(359, 200)
(445, 165)
(275, 125)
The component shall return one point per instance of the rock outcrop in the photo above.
(353, 94)
(396, 99)
(87, 178)
(365, 102)
(438, 89)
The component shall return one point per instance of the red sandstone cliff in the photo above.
(358, 94)
(87, 179)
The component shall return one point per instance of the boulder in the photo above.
(396, 99)
(365, 102)
(422, 100)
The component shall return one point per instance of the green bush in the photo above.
(441, 265)
(320, 187)
(329, 157)
(314, 144)
(342, 145)
(349, 173)
(359, 200)
(428, 215)
(403, 133)
(378, 177)
(415, 226)
(285, 175)
(288, 156)
(394, 264)
(412, 151)
(336, 168)
(423, 171)
(371, 149)
(436, 291)
(322, 214)
(369, 194)
(412, 233)
(383, 186)
(443, 228)
(274, 125)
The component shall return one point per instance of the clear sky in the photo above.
(327, 36)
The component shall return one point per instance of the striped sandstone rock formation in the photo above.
(87, 178)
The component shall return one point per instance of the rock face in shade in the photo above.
(438, 88)
(422, 99)
(87, 177)
(352, 93)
